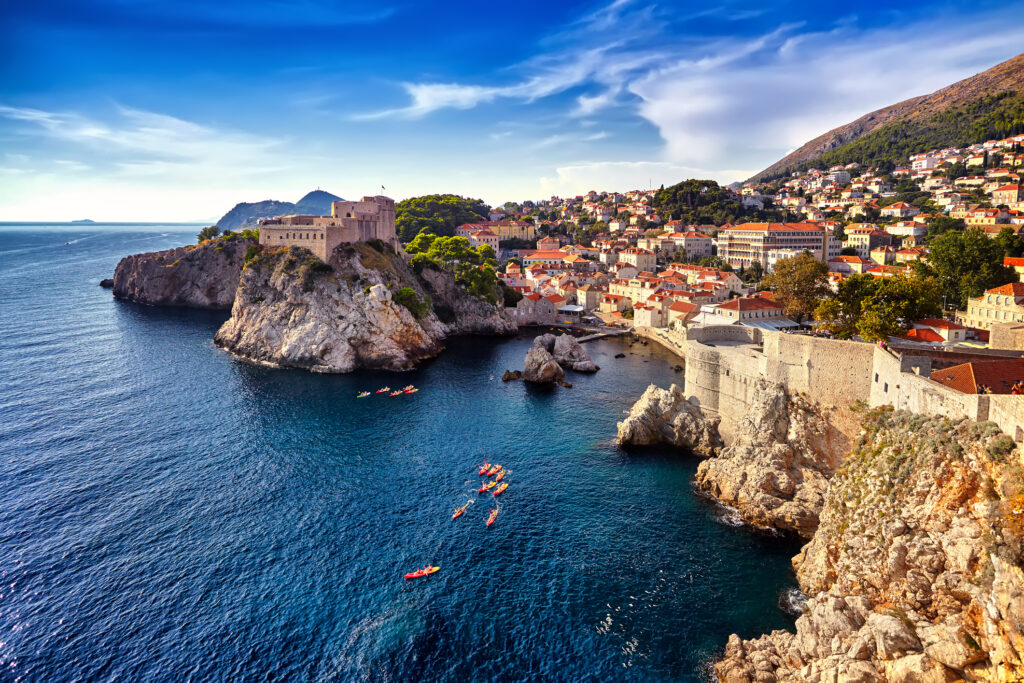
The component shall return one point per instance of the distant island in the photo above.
(84, 220)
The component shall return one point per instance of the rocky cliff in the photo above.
(197, 276)
(777, 469)
(914, 573)
(364, 308)
(665, 416)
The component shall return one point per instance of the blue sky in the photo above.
(145, 110)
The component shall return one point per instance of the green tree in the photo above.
(1010, 241)
(800, 283)
(941, 224)
(840, 314)
(964, 264)
(895, 304)
(436, 213)
(207, 233)
(421, 243)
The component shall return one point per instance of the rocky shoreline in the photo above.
(365, 307)
(913, 562)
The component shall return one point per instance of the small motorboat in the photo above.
(362, 394)
(458, 511)
(426, 571)
(383, 390)
(491, 517)
(501, 488)
(501, 475)
(494, 470)
(483, 468)
(396, 393)
(487, 487)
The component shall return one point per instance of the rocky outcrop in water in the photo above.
(196, 276)
(665, 416)
(365, 308)
(776, 470)
(914, 573)
(567, 352)
(540, 367)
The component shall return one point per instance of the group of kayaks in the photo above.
(390, 392)
(496, 488)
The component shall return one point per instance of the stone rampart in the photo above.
(724, 362)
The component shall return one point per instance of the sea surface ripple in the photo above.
(170, 513)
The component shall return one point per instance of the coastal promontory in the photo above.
(202, 275)
(364, 307)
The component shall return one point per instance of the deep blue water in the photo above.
(171, 513)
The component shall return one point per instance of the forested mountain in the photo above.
(985, 106)
(246, 214)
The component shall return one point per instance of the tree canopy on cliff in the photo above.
(705, 202)
(799, 283)
(879, 308)
(473, 267)
(439, 214)
(965, 264)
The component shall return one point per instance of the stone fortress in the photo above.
(371, 218)
(723, 364)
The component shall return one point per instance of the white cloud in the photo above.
(584, 176)
(747, 105)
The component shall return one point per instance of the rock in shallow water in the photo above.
(540, 367)
(665, 416)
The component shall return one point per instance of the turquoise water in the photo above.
(171, 513)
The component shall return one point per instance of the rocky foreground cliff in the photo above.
(914, 573)
(365, 307)
(913, 565)
(195, 276)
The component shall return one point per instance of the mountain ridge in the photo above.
(246, 214)
(913, 115)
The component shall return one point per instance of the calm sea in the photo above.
(169, 513)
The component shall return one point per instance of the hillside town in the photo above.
(613, 259)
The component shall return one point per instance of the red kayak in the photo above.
(493, 470)
(483, 468)
(459, 511)
(500, 489)
(426, 571)
(490, 519)
(487, 487)
(500, 475)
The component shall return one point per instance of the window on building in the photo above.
(885, 387)
(876, 378)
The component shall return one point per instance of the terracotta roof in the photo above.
(753, 303)
(999, 376)
(682, 307)
(941, 324)
(1014, 288)
(774, 227)
(923, 335)
(1014, 262)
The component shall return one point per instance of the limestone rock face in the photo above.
(568, 352)
(541, 367)
(665, 416)
(776, 471)
(464, 314)
(292, 310)
(914, 573)
(196, 276)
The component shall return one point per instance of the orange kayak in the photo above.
(483, 468)
(426, 571)
(458, 511)
(500, 489)
(501, 475)
(487, 487)
(490, 519)
(493, 470)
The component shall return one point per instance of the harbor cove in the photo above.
(171, 511)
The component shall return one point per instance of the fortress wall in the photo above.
(903, 383)
(1007, 411)
(274, 236)
(830, 372)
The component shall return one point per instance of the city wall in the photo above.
(723, 364)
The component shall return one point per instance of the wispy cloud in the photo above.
(134, 139)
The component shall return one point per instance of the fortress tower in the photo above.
(371, 218)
